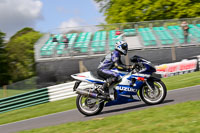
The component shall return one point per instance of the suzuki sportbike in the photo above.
(135, 85)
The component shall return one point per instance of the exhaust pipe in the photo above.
(90, 94)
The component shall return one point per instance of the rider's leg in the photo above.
(111, 77)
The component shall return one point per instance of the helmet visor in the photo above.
(124, 46)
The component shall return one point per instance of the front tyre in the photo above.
(89, 106)
(155, 96)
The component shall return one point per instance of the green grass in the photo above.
(182, 81)
(12, 92)
(67, 104)
(178, 118)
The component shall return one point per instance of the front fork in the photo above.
(150, 85)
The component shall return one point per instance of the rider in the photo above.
(113, 60)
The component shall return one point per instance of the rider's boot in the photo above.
(105, 88)
(107, 84)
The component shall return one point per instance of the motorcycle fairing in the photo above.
(125, 90)
(87, 77)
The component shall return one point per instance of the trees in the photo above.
(120, 11)
(20, 51)
(4, 74)
(17, 56)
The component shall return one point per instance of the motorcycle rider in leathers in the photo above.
(113, 60)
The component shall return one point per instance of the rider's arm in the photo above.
(118, 64)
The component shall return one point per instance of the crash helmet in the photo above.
(122, 47)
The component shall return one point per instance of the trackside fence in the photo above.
(24, 100)
(39, 96)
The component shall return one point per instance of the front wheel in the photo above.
(89, 106)
(155, 96)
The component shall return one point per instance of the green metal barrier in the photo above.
(28, 105)
(24, 94)
(24, 100)
(21, 98)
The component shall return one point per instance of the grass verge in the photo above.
(181, 81)
(183, 118)
(175, 82)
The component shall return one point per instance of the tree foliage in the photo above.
(20, 50)
(120, 11)
(4, 75)
(22, 32)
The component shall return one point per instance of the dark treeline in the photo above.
(17, 56)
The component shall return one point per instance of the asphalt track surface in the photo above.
(173, 97)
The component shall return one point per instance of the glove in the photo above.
(131, 67)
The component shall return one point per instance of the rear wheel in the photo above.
(155, 96)
(89, 106)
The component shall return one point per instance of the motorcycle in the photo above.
(135, 85)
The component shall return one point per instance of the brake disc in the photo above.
(90, 102)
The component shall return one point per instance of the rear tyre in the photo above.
(156, 96)
(89, 106)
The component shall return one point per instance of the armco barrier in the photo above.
(39, 96)
(62, 91)
(24, 100)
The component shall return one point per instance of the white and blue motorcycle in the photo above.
(139, 84)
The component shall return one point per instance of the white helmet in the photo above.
(122, 47)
